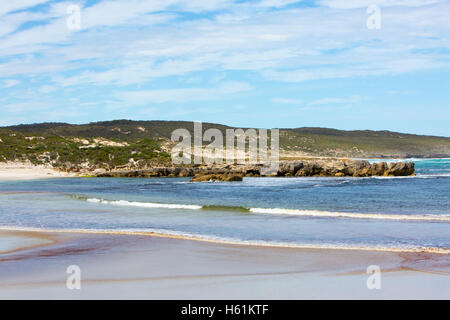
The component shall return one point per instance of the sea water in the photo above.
(386, 213)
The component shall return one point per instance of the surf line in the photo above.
(267, 244)
(274, 211)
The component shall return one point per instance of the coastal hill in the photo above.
(113, 144)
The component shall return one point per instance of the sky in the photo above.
(345, 64)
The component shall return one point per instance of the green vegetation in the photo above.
(373, 144)
(117, 143)
(71, 153)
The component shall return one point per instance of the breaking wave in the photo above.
(275, 211)
(354, 215)
(144, 204)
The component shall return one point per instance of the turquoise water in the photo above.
(404, 212)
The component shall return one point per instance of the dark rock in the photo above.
(400, 169)
(289, 169)
(217, 177)
(309, 169)
(378, 169)
(305, 168)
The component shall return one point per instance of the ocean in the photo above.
(377, 213)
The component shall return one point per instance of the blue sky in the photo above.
(259, 63)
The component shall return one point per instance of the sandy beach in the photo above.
(13, 171)
(145, 267)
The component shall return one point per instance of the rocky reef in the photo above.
(303, 168)
(218, 177)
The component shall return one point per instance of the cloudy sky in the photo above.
(258, 63)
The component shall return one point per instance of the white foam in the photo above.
(418, 176)
(353, 215)
(441, 160)
(434, 175)
(144, 204)
(282, 211)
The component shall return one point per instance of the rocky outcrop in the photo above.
(304, 168)
(400, 169)
(217, 177)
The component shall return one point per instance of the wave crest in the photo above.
(354, 215)
(144, 204)
(276, 211)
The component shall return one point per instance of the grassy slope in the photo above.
(67, 152)
(143, 138)
(329, 142)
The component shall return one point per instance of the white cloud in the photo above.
(286, 101)
(10, 83)
(10, 6)
(47, 89)
(130, 42)
(118, 12)
(182, 95)
(352, 4)
(24, 107)
(276, 3)
(338, 101)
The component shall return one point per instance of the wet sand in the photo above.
(19, 241)
(146, 267)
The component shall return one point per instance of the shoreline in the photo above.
(142, 267)
(222, 241)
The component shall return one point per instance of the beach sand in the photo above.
(146, 267)
(12, 171)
